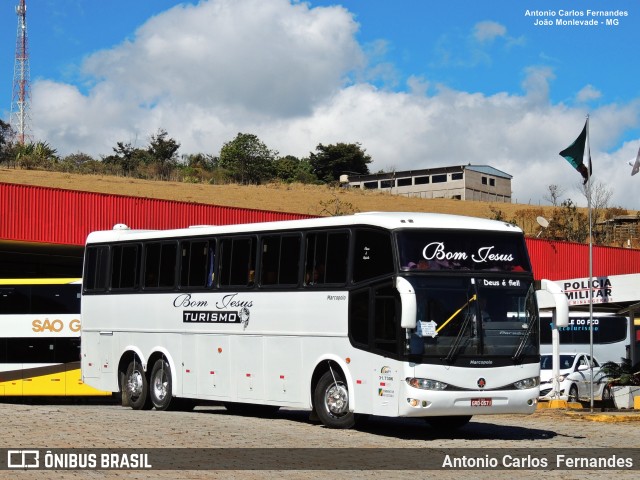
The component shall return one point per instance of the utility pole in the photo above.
(20, 103)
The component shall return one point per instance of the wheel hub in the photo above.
(160, 387)
(337, 399)
(134, 385)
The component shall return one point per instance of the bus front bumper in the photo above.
(423, 403)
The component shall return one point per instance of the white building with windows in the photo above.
(462, 182)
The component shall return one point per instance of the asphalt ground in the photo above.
(70, 427)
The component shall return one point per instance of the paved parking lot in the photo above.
(89, 426)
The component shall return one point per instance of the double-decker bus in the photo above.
(40, 338)
(391, 314)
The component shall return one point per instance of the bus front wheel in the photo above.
(160, 387)
(137, 388)
(331, 401)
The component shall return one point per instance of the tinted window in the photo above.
(439, 178)
(160, 265)
(372, 256)
(326, 258)
(605, 330)
(373, 319)
(280, 260)
(125, 262)
(40, 299)
(421, 180)
(96, 268)
(41, 350)
(237, 265)
(404, 182)
(197, 263)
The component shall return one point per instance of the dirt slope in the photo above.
(307, 199)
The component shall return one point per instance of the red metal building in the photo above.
(53, 223)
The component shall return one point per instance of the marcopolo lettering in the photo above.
(193, 316)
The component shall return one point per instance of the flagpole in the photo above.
(590, 270)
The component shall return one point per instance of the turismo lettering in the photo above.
(210, 317)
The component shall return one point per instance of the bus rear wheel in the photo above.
(160, 388)
(137, 387)
(331, 401)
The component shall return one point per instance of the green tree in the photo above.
(39, 155)
(163, 153)
(127, 160)
(331, 161)
(6, 136)
(247, 159)
(293, 169)
(75, 162)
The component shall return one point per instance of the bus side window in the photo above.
(373, 254)
(125, 261)
(197, 261)
(238, 260)
(160, 265)
(96, 268)
(326, 258)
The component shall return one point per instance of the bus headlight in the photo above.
(527, 383)
(426, 384)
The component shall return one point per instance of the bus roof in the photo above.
(388, 220)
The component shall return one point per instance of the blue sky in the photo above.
(418, 83)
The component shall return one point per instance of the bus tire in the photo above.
(160, 385)
(448, 421)
(331, 401)
(124, 393)
(137, 387)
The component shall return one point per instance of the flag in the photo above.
(574, 154)
(636, 166)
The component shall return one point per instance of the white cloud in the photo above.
(587, 94)
(488, 31)
(294, 76)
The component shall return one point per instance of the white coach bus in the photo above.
(392, 314)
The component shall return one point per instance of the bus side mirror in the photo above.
(551, 296)
(408, 300)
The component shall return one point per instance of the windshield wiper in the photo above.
(533, 321)
(456, 343)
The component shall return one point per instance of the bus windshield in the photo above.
(462, 317)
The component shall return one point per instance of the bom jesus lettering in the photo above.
(437, 251)
(227, 301)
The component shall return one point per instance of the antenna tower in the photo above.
(20, 103)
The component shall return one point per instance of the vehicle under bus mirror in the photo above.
(409, 306)
(551, 297)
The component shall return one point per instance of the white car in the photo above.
(574, 379)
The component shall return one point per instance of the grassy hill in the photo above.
(296, 198)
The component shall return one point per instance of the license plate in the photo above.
(480, 402)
